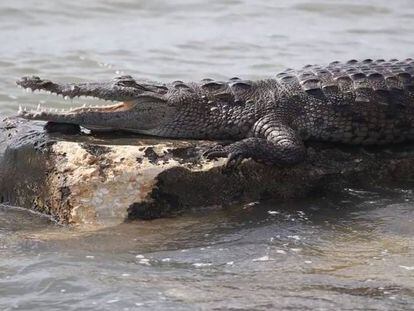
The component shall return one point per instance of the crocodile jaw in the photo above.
(53, 114)
(141, 106)
(133, 116)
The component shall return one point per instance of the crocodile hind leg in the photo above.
(273, 143)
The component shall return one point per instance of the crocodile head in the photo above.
(178, 110)
(141, 107)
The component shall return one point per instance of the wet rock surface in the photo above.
(107, 179)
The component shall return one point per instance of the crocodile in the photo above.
(367, 102)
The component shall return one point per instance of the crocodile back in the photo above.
(364, 102)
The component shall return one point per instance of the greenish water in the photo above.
(354, 252)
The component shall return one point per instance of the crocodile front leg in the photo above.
(273, 143)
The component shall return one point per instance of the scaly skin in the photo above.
(366, 102)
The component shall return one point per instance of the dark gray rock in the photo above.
(104, 180)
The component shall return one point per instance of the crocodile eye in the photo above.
(125, 81)
(125, 77)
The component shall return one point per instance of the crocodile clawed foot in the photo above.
(234, 158)
(218, 151)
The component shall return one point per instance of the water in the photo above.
(354, 252)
